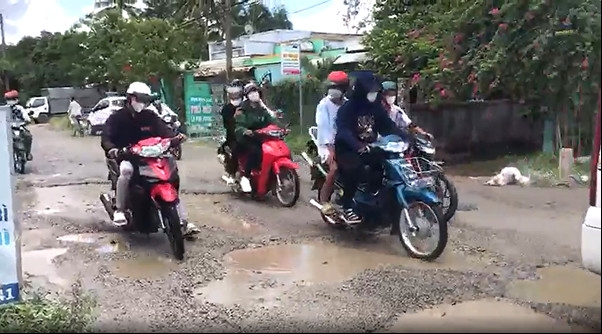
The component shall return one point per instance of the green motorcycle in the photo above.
(19, 151)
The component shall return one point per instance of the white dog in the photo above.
(508, 175)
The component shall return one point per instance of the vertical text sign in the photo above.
(290, 59)
(9, 270)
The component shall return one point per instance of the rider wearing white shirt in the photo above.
(326, 113)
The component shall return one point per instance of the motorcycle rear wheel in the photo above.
(19, 162)
(436, 213)
(173, 229)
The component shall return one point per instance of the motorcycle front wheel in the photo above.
(449, 196)
(173, 229)
(428, 218)
(177, 152)
(288, 191)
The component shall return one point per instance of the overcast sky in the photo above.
(30, 17)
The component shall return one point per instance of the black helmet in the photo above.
(235, 89)
(251, 87)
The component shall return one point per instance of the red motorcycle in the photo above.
(153, 196)
(278, 172)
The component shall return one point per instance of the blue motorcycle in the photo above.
(391, 194)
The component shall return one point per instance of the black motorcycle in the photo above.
(173, 122)
(19, 151)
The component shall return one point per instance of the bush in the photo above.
(39, 314)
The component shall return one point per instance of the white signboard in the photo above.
(9, 264)
(290, 59)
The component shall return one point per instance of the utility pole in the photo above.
(3, 47)
(227, 11)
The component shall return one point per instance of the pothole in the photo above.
(145, 267)
(559, 284)
(480, 316)
(38, 263)
(262, 275)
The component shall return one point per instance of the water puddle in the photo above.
(107, 243)
(480, 316)
(262, 275)
(145, 267)
(38, 263)
(559, 284)
(204, 210)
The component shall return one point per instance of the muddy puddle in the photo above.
(480, 316)
(263, 275)
(37, 264)
(102, 243)
(144, 267)
(69, 200)
(559, 284)
(207, 210)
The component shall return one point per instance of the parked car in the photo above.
(55, 101)
(101, 112)
(590, 229)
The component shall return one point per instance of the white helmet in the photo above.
(142, 93)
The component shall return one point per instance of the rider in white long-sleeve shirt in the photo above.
(326, 113)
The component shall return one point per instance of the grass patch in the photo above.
(60, 123)
(296, 141)
(40, 314)
(543, 169)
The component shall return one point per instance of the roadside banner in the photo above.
(290, 59)
(10, 269)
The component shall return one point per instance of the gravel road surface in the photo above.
(512, 263)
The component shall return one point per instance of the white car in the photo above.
(102, 110)
(590, 229)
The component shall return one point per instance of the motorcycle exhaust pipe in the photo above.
(315, 204)
(313, 164)
(108, 204)
(308, 159)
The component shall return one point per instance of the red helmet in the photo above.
(11, 95)
(337, 79)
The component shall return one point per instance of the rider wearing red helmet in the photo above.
(337, 84)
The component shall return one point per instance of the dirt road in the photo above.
(512, 264)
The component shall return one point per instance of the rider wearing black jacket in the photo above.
(235, 95)
(126, 127)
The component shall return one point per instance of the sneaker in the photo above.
(328, 209)
(351, 217)
(119, 218)
(245, 184)
(229, 179)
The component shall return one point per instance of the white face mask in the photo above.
(390, 100)
(253, 96)
(236, 102)
(335, 93)
(138, 106)
(372, 96)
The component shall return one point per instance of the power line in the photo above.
(310, 7)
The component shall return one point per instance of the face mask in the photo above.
(372, 96)
(253, 96)
(335, 93)
(236, 102)
(390, 100)
(138, 106)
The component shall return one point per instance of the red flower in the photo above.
(585, 64)
(503, 26)
(443, 92)
(458, 38)
(494, 11)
